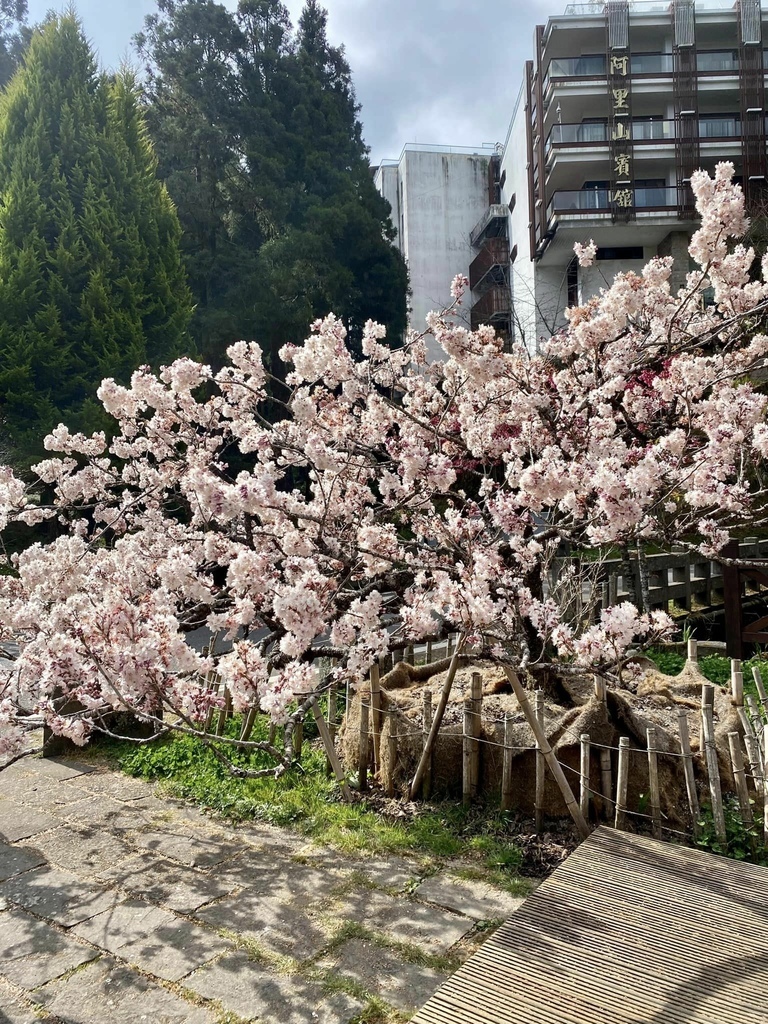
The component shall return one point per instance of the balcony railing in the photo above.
(492, 306)
(715, 126)
(603, 200)
(594, 66)
(495, 253)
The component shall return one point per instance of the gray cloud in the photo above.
(432, 71)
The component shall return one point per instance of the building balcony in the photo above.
(589, 202)
(491, 260)
(594, 68)
(712, 128)
(492, 224)
(493, 307)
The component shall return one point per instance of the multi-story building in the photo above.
(438, 194)
(623, 101)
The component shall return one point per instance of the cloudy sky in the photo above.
(431, 71)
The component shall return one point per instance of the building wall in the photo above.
(439, 197)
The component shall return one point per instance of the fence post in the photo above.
(376, 715)
(392, 748)
(549, 754)
(606, 784)
(332, 693)
(331, 752)
(690, 779)
(506, 768)
(740, 777)
(621, 782)
(737, 682)
(426, 786)
(466, 754)
(539, 803)
(653, 781)
(760, 686)
(584, 775)
(765, 780)
(477, 710)
(732, 602)
(436, 721)
(362, 763)
(713, 768)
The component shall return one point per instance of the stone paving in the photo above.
(118, 905)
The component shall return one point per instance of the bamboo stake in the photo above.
(362, 762)
(248, 723)
(690, 779)
(621, 783)
(429, 653)
(693, 654)
(713, 768)
(426, 786)
(409, 654)
(606, 783)
(754, 711)
(765, 780)
(224, 712)
(760, 685)
(653, 781)
(392, 748)
(506, 770)
(376, 716)
(298, 739)
(601, 689)
(740, 777)
(466, 755)
(540, 763)
(549, 754)
(477, 710)
(332, 709)
(436, 722)
(753, 751)
(330, 750)
(584, 776)
(737, 687)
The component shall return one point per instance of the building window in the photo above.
(572, 282)
(620, 252)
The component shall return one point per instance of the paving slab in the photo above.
(152, 938)
(58, 895)
(384, 974)
(94, 809)
(247, 989)
(280, 925)
(15, 859)
(387, 872)
(162, 881)
(434, 929)
(476, 899)
(78, 848)
(20, 822)
(106, 991)
(119, 787)
(32, 952)
(195, 850)
(14, 1012)
(59, 767)
(271, 876)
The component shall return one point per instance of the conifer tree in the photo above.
(91, 279)
(260, 144)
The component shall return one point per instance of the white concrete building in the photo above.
(623, 100)
(437, 195)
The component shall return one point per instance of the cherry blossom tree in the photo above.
(396, 501)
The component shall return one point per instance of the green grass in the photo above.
(715, 667)
(305, 800)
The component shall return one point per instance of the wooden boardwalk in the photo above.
(626, 930)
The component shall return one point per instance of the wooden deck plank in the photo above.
(627, 930)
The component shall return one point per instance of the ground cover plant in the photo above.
(394, 502)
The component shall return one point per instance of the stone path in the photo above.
(117, 905)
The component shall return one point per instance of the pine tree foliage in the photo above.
(14, 36)
(260, 143)
(91, 280)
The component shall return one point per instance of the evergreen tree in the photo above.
(91, 279)
(14, 37)
(261, 147)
